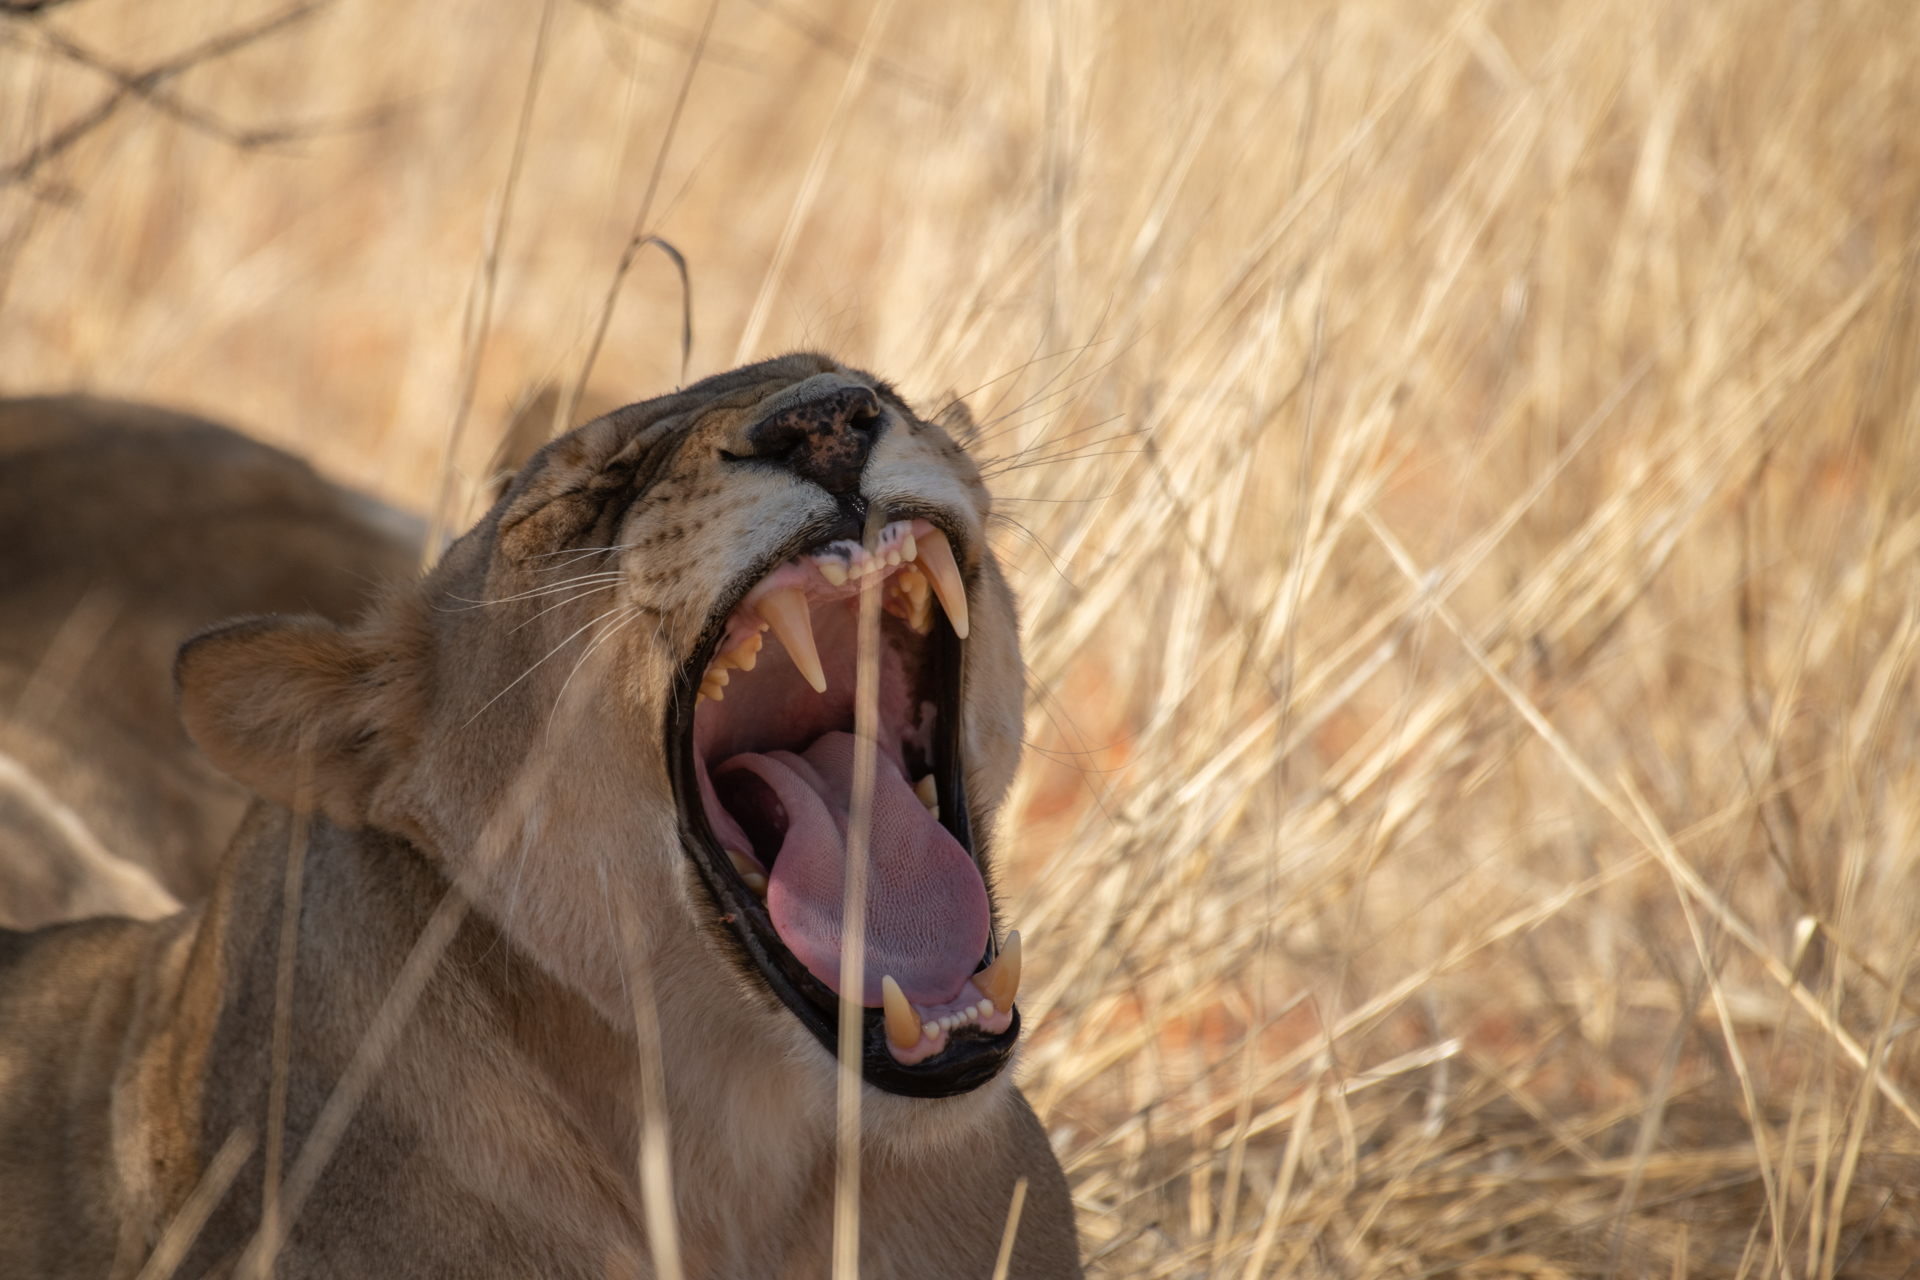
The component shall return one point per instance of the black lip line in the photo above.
(972, 1057)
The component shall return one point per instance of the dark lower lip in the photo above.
(972, 1057)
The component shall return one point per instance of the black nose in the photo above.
(824, 439)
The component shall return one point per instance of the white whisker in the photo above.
(568, 639)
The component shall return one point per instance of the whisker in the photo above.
(561, 604)
(605, 576)
(540, 662)
(632, 612)
(581, 553)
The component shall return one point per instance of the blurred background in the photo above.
(1457, 460)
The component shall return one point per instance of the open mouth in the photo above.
(762, 737)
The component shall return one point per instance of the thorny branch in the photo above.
(150, 86)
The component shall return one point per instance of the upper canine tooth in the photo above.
(1000, 981)
(903, 1026)
(786, 612)
(936, 559)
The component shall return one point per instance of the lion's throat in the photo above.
(927, 912)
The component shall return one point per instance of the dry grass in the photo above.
(1458, 461)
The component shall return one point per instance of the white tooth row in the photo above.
(905, 1027)
(839, 561)
(927, 571)
(982, 1010)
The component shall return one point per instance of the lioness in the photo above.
(572, 809)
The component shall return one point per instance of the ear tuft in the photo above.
(274, 701)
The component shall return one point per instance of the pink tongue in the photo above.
(927, 914)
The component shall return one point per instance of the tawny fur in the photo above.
(124, 530)
(479, 730)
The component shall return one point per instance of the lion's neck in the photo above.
(506, 1096)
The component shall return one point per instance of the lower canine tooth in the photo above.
(936, 561)
(786, 612)
(903, 1029)
(1000, 981)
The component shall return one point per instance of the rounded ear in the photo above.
(957, 421)
(280, 702)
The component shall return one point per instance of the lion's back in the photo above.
(127, 529)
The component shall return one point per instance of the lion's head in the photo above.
(631, 686)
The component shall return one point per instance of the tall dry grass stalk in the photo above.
(1458, 463)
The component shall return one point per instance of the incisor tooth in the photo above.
(908, 550)
(936, 560)
(928, 797)
(833, 571)
(903, 1028)
(785, 611)
(1000, 980)
(929, 1030)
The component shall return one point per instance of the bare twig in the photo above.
(641, 237)
(147, 85)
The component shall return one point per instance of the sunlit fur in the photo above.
(501, 724)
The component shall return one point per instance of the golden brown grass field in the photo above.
(1459, 459)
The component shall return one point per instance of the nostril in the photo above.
(824, 439)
